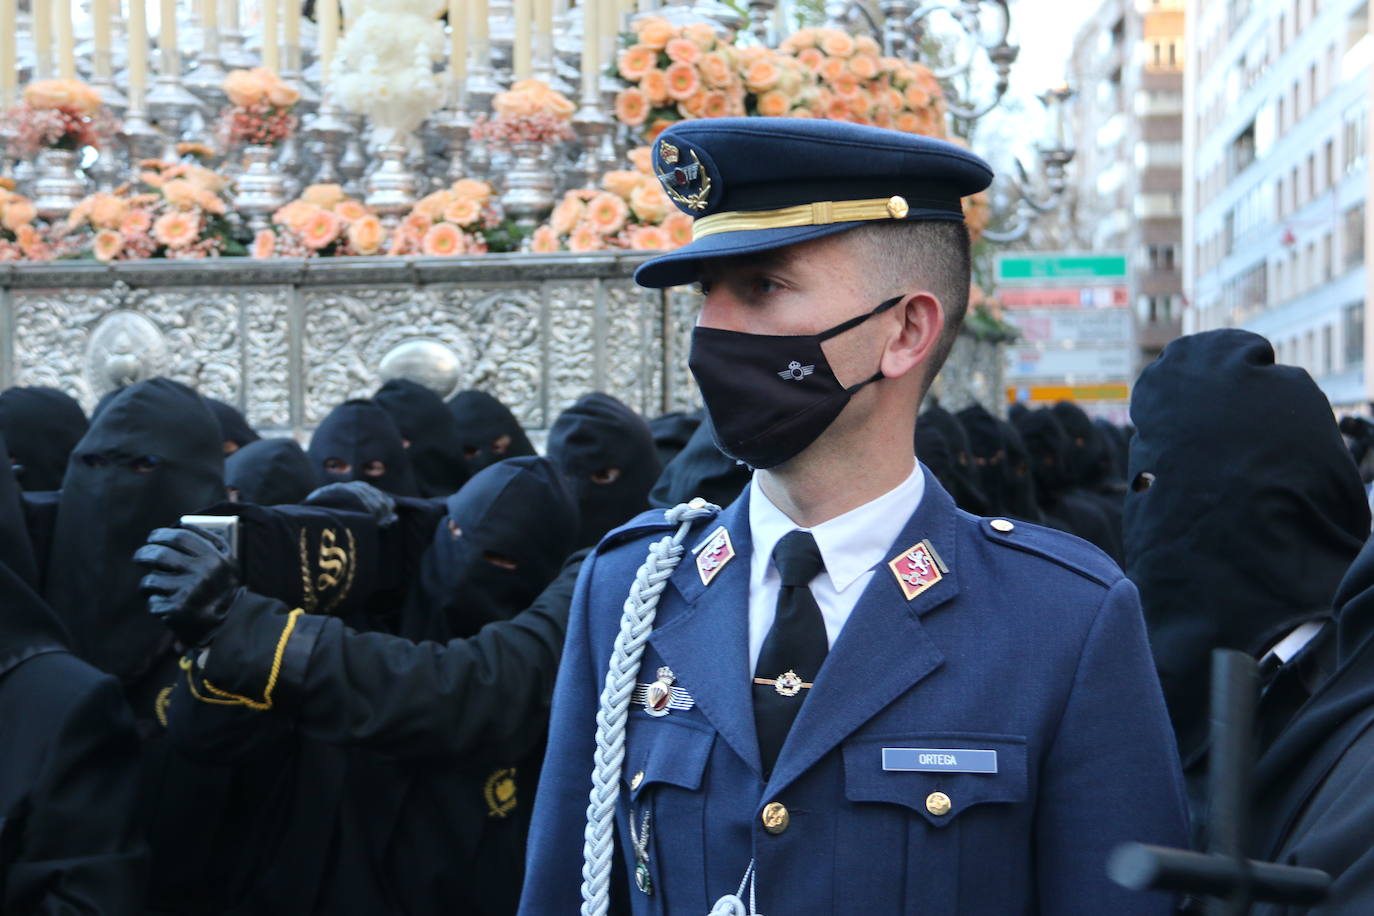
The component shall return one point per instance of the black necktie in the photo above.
(794, 648)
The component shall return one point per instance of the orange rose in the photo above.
(863, 44)
(774, 104)
(282, 95)
(799, 40)
(472, 189)
(682, 81)
(832, 69)
(177, 229)
(586, 238)
(567, 214)
(908, 122)
(32, 244)
(19, 213)
(606, 213)
(837, 110)
(655, 86)
(642, 158)
(847, 86)
(417, 224)
(715, 70)
(244, 88)
(635, 61)
(648, 238)
(206, 179)
(678, 227)
(861, 103)
(107, 245)
(264, 244)
(622, 182)
(655, 33)
(349, 210)
(863, 66)
(658, 127)
(702, 33)
(179, 192)
(462, 211)
(632, 107)
(72, 95)
(432, 205)
(321, 229)
(683, 50)
(761, 76)
(837, 43)
(442, 240)
(210, 203)
(323, 195)
(649, 203)
(544, 240)
(136, 223)
(812, 58)
(365, 235)
(717, 105)
(693, 107)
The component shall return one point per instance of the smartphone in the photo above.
(226, 526)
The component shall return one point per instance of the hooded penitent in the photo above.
(607, 453)
(988, 454)
(269, 472)
(41, 427)
(489, 431)
(360, 441)
(1243, 512)
(672, 432)
(503, 540)
(234, 428)
(965, 490)
(700, 469)
(431, 436)
(1048, 444)
(16, 548)
(1089, 459)
(151, 456)
(1021, 501)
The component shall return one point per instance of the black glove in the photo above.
(356, 496)
(192, 582)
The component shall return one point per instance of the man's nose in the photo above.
(720, 310)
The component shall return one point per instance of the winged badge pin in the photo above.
(795, 371)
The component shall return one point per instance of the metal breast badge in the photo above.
(713, 554)
(661, 697)
(917, 569)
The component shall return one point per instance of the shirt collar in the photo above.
(851, 544)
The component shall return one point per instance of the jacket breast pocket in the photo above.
(663, 822)
(950, 812)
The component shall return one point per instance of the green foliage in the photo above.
(505, 237)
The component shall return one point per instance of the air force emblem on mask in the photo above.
(795, 371)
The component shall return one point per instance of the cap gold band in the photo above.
(820, 213)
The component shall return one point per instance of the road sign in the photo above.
(1085, 297)
(1056, 327)
(1071, 365)
(1063, 267)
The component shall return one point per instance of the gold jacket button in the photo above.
(775, 818)
(938, 804)
(636, 780)
(1002, 526)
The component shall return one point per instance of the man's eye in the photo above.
(606, 475)
(499, 560)
(765, 285)
(94, 461)
(145, 464)
(500, 445)
(1143, 481)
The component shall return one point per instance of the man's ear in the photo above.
(921, 318)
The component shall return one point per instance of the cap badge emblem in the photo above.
(795, 371)
(714, 554)
(917, 569)
(678, 181)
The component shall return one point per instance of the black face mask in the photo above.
(770, 397)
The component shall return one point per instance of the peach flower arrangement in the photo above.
(21, 239)
(450, 222)
(676, 72)
(174, 210)
(58, 114)
(530, 112)
(260, 108)
(629, 211)
(856, 83)
(322, 222)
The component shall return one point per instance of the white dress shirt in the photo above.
(851, 546)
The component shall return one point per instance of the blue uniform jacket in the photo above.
(1031, 645)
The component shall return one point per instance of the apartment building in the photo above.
(1276, 124)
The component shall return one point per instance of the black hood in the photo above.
(672, 432)
(1048, 446)
(270, 472)
(489, 431)
(16, 547)
(988, 454)
(1088, 455)
(1021, 499)
(607, 453)
(357, 434)
(41, 427)
(933, 451)
(503, 540)
(700, 469)
(966, 491)
(233, 426)
(435, 446)
(1252, 514)
(153, 455)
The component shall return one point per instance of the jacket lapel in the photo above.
(881, 652)
(707, 642)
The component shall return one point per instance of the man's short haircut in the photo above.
(928, 254)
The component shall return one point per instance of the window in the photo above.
(1327, 261)
(1330, 157)
(1353, 328)
(1312, 85)
(1354, 137)
(1280, 197)
(1242, 151)
(1354, 236)
(1327, 355)
(1309, 266)
(1311, 175)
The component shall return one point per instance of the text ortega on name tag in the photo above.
(938, 760)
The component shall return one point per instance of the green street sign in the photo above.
(1058, 266)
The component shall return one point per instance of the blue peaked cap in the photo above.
(755, 184)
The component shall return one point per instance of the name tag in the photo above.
(937, 760)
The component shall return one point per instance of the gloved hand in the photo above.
(358, 496)
(191, 583)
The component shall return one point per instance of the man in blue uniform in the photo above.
(853, 696)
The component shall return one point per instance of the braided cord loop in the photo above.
(636, 623)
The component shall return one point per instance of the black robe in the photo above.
(42, 426)
(489, 431)
(269, 472)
